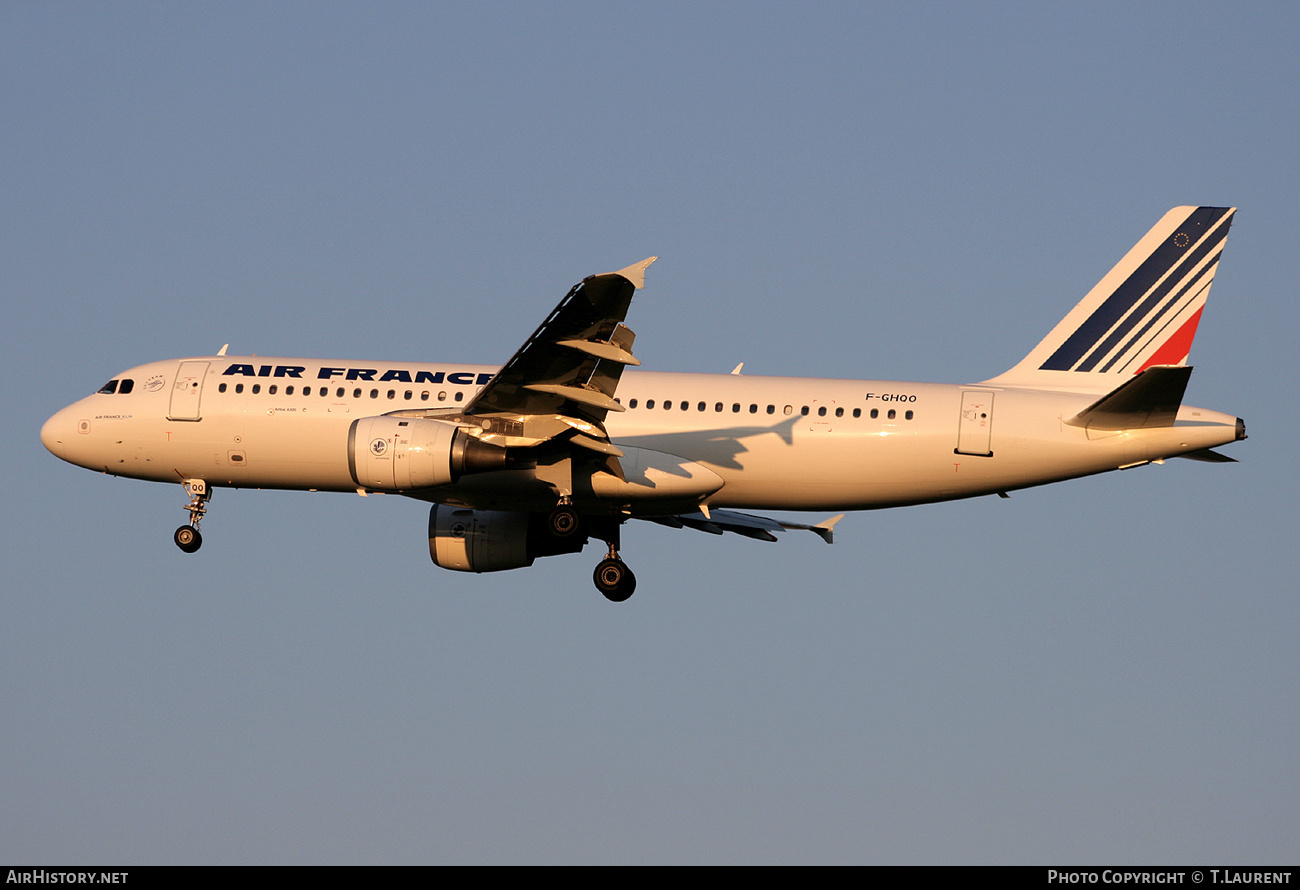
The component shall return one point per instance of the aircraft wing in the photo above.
(715, 522)
(570, 366)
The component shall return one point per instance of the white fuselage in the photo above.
(775, 442)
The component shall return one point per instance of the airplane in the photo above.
(558, 446)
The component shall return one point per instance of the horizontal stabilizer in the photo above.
(1151, 399)
(1208, 456)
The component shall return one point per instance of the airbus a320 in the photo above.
(563, 443)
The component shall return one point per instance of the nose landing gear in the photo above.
(187, 537)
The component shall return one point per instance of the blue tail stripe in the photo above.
(1171, 305)
(1155, 298)
(1139, 283)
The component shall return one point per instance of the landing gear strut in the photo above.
(187, 537)
(613, 578)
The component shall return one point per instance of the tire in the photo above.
(187, 538)
(563, 522)
(615, 580)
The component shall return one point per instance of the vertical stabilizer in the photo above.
(1143, 313)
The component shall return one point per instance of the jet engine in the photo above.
(492, 540)
(403, 453)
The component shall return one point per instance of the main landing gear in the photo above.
(563, 522)
(187, 537)
(614, 579)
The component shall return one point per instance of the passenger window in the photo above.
(668, 405)
(839, 412)
(424, 396)
(221, 388)
(875, 412)
(686, 406)
(789, 409)
(460, 396)
(239, 387)
(857, 412)
(717, 407)
(442, 396)
(257, 387)
(649, 403)
(339, 392)
(356, 393)
(908, 415)
(771, 409)
(735, 408)
(288, 390)
(407, 396)
(701, 407)
(271, 390)
(892, 413)
(392, 393)
(821, 412)
(631, 403)
(374, 393)
(108, 388)
(753, 409)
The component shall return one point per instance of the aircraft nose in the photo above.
(55, 433)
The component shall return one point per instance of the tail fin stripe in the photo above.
(1140, 282)
(1164, 318)
(1159, 294)
(1143, 313)
(1174, 350)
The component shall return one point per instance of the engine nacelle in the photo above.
(491, 540)
(404, 453)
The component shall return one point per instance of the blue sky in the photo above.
(1100, 671)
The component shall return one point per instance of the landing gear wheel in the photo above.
(615, 580)
(187, 538)
(563, 522)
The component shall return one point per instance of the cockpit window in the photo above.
(108, 388)
(127, 385)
